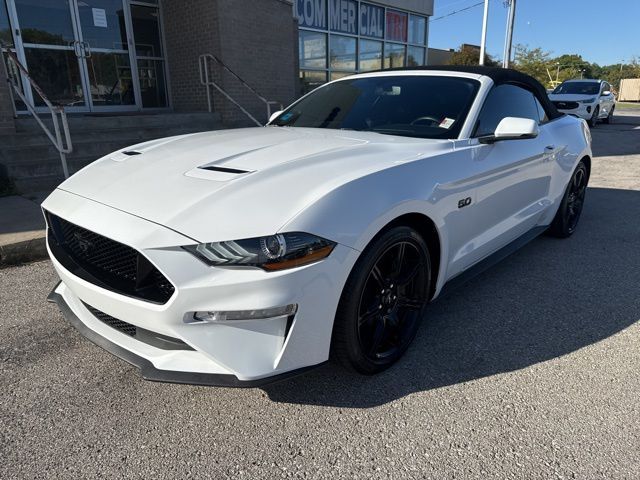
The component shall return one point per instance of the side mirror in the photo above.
(606, 93)
(513, 128)
(275, 115)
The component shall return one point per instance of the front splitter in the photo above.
(149, 372)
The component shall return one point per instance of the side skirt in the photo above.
(490, 261)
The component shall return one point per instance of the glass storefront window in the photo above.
(394, 55)
(146, 31)
(65, 86)
(107, 31)
(110, 79)
(45, 22)
(396, 26)
(152, 84)
(313, 49)
(415, 56)
(338, 75)
(340, 36)
(370, 55)
(310, 80)
(342, 55)
(417, 29)
(6, 39)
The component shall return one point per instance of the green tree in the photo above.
(532, 61)
(470, 55)
(574, 66)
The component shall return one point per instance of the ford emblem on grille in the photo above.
(84, 245)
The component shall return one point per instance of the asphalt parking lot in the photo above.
(531, 371)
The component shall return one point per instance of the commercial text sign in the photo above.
(371, 20)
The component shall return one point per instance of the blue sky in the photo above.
(602, 31)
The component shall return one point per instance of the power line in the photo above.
(457, 11)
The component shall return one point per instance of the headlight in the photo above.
(588, 100)
(276, 252)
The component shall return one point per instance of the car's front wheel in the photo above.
(566, 220)
(383, 301)
(593, 121)
(609, 118)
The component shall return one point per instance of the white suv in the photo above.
(592, 100)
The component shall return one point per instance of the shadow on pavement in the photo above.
(549, 299)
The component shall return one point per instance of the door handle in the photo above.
(550, 147)
(76, 48)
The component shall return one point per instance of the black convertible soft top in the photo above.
(499, 77)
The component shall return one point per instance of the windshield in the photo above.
(414, 106)
(578, 88)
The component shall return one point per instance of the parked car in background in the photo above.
(237, 257)
(592, 100)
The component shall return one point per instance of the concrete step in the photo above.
(79, 123)
(35, 168)
(29, 158)
(134, 135)
(96, 144)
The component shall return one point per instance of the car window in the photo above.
(542, 114)
(505, 101)
(578, 88)
(423, 106)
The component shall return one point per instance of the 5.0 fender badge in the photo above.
(465, 202)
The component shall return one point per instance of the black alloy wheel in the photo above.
(609, 118)
(594, 118)
(566, 220)
(383, 301)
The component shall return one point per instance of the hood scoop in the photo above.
(217, 173)
(216, 168)
(122, 156)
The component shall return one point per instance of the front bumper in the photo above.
(150, 372)
(233, 353)
(584, 111)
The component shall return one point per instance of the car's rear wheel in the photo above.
(609, 118)
(566, 220)
(593, 121)
(383, 301)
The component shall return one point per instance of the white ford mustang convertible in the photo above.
(244, 256)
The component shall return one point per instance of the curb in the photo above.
(23, 252)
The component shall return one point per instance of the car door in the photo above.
(606, 101)
(512, 178)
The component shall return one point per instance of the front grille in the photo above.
(566, 105)
(150, 338)
(124, 327)
(105, 262)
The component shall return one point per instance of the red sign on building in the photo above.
(397, 26)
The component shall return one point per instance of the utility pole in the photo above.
(509, 39)
(483, 42)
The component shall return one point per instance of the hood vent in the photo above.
(215, 168)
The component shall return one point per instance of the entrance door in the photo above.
(48, 36)
(103, 48)
(81, 53)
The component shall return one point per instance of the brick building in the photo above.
(107, 59)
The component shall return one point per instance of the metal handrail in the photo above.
(203, 63)
(65, 146)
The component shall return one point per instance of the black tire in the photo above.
(383, 301)
(609, 118)
(566, 220)
(593, 121)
